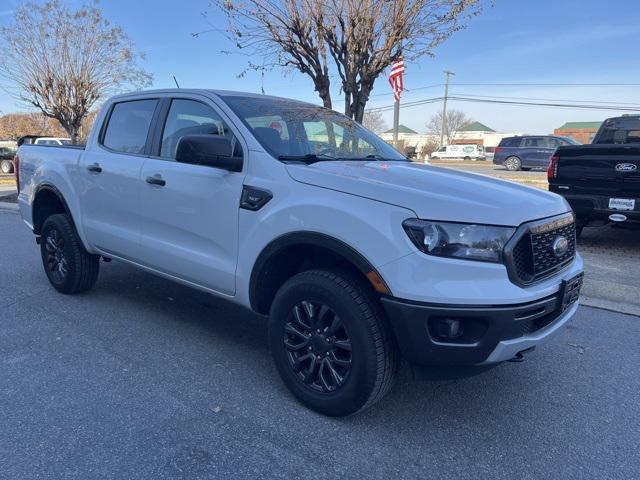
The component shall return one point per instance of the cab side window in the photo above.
(128, 126)
(190, 117)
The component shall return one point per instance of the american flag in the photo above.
(395, 78)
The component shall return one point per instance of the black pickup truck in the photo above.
(601, 181)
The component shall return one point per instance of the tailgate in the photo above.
(600, 169)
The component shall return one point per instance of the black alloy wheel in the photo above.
(69, 267)
(318, 346)
(331, 341)
(56, 261)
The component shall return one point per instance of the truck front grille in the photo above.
(530, 255)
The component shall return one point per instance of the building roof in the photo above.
(580, 125)
(402, 129)
(475, 127)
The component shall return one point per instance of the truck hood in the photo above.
(434, 193)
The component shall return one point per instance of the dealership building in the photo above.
(474, 133)
(582, 132)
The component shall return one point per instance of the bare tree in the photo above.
(428, 147)
(361, 37)
(63, 61)
(15, 125)
(288, 34)
(374, 121)
(454, 121)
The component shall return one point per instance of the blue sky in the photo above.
(516, 41)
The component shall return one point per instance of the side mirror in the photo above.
(208, 150)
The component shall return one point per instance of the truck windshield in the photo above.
(296, 131)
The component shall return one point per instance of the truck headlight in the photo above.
(459, 240)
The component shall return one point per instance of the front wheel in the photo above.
(513, 164)
(331, 342)
(69, 267)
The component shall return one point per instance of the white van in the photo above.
(52, 141)
(464, 152)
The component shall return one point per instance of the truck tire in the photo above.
(6, 166)
(513, 163)
(69, 267)
(331, 342)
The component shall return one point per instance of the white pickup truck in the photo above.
(357, 255)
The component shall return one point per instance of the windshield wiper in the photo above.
(373, 156)
(308, 158)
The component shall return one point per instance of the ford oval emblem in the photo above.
(560, 246)
(626, 167)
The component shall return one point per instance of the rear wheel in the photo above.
(69, 267)
(6, 166)
(513, 163)
(331, 342)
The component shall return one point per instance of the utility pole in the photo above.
(444, 106)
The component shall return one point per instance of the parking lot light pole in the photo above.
(444, 106)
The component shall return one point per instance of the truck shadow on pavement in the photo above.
(237, 340)
(153, 370)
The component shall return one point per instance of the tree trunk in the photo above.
(322, 87)
(360, 102)
(347, 104)
(73, 131)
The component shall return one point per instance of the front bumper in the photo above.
(491, 334)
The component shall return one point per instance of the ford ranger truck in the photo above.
(601, 181)
(357, 256)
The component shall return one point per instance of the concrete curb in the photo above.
(617, 307)
(12, 207)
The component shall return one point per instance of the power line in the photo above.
(551, 84)
(550, 99)
(435, 85)
(554, 104)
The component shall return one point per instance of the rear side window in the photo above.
(510, 142)
(128, 126)
(610, 135)
(555, 142)
(537, 142)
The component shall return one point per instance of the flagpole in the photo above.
(396, 118)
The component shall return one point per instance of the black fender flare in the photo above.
(51, 188)
(318, 240)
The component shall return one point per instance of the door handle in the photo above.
(156, 180)
(94, 168)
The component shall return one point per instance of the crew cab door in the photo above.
(110, 177)
(189, 212)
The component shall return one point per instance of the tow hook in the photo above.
(519, 357)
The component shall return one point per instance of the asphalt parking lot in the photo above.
(143, 378)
